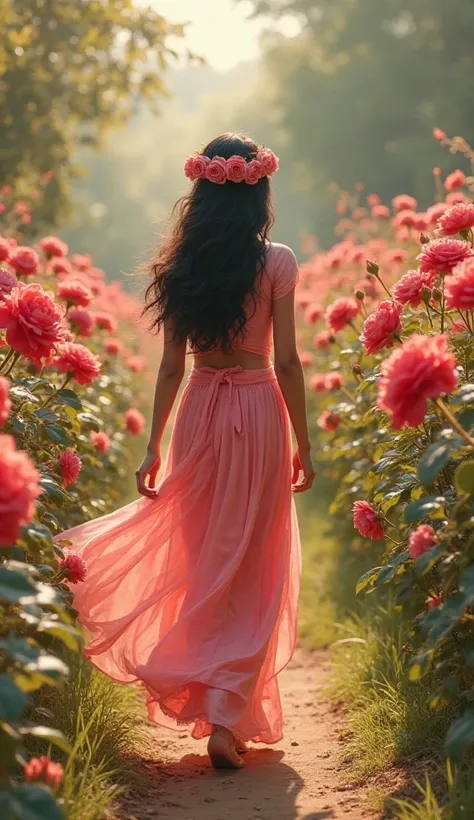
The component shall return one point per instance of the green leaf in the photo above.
(23, 393)
(460, 735)
(29, 802)
(429, 559)
(53, 736)
(464, 478)
(90, 421)
(420, 665)
(18, 649)
(423, 507)
(466, 394)
(70, 398)
(57, 434)
(14, 585)
(53, 490)
(466, 419)
(368, 578)
(46, 415)
(12, 700)
(435, 458)
(67, 634)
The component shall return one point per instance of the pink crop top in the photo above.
(277, 280)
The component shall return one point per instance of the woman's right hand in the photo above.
(148, 469)
(302, 463)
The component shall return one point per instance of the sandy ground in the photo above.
(298, 778)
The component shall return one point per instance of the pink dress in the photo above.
(194, 594)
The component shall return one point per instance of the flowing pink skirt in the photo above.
(195, 594)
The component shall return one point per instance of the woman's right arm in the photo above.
(289, 373)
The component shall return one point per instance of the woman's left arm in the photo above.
(170, 376)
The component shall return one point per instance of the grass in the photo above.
(102, 721)
(457, 802)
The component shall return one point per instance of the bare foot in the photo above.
(241, 746)
(222, 751)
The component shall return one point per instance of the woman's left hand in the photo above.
(148, 469)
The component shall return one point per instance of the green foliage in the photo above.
(68, 73)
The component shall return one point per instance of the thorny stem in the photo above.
(53, 395)
(454, 422)
(16, 356)
(443, 307)
(7, 359)
(428, 313)
(386, 289)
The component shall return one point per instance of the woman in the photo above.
(192, 590)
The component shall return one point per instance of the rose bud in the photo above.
(437, 295)
(372, 268)
(357, 370)
(424, 239)
(360, 295)
(425, 294)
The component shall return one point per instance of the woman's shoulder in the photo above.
(280, 254)
(282, 268)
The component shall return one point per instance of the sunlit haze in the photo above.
(220, 30)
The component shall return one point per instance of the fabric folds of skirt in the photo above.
(195, 593)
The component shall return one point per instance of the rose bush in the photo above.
(67, 415)
(398, 435)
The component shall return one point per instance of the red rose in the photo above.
(114, 346)
(459, 288)
(366, 520)
(19, 488)
(59, 265)
(5, 403)
(456, 219)
(341, 312)
(5, 250)
(421, 540)
(42, 768)
(75, 292)
(318, 382)
(24, 260)
(380, 326)
(323, 339)
(8, 281)
(73, 567)
(443, 255)
(78, 362)
(455, 180)
(33, 321)
(328, 421)
(135, 421)
(333, 381)
(404, 202)
(100, 440)
(408, 288)
(136, 364)
(81, 320)
(105, 321)
(313, 312)
(70, 466)
(52, 246)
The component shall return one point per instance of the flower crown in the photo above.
(234, 169)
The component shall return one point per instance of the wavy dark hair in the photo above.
(207, 269)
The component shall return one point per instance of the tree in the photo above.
(69, 71)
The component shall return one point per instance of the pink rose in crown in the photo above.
(200, 164)
(268, 161)
(33, 321)
(188, 168)
(19, 488)
(422, 368)
(236, 169)
(254, 172)
(366, 520)
(380, 326)
(216, 171)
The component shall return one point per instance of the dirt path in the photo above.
(297, 779)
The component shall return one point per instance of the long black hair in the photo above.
(206, 271)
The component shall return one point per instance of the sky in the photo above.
(220, 30)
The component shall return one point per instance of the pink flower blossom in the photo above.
(5, 250)
(408, 288)
(42, 768)
(135, 421)
(19, 488)
(443, 254)
(268, 161)
(70, 466)
(81, 261)
(75, 292)
(236, 169)
(114, 346)
(254, 172)
(323, 339)
(73, 567)
(380, 327)
(136, 363)
(328, 420)
(8, 281)
(5, 403)
(373, 200)
(455, 198)
(306, 358)
(341, 312)
(33, 321)
(52, 246)
(395, 256)
(455, 180)
(60, 265)
(106, 321)
(404, 202)
(100, 440)
(459, 288)
(421, 540)
(318, 383)
(456, 219)
(78, 362)
(439, 134)
(433, 601)
(24, 260)
(82, 320)
(380, 212)
(313, 312)
(333, 381)
(435, 211)
(366, 520)
(216, 171)
(405, 218)
(422, 368)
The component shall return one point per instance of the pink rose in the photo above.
(395, 256)
(33, 321)
(216, 171)
(379, 328)
(8, 281)
(435, 211)
(78, 362)
(188, 168)
(459, 288)
(18, 490)
(408, 288)
(81, 261)
(404, 202)
(422, 368)
(75, 292)
(405, 218)
(268, 161)
(439, 134)
(236, 169)
(200, 165)
(455, 180)
(421, 540)
(306, 358)
(59, 265)
(328, 421)
(5, 250)
(114, 346)
(52, 246)
(323, 339)
(366, 520)
(72, 567)
(313, 312)
(24, 260)
(318, 383)
(82, 320)
(341, 312)
(456, 219)
(105, 321)
(5, 403)
(455, 198)
(443, 254)
(136, 364)
(135, 421)
(380, 212)
(254, 172)
(42, 768)
(333, 381)
(433, 601)
(100, 441)
(70, 466)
